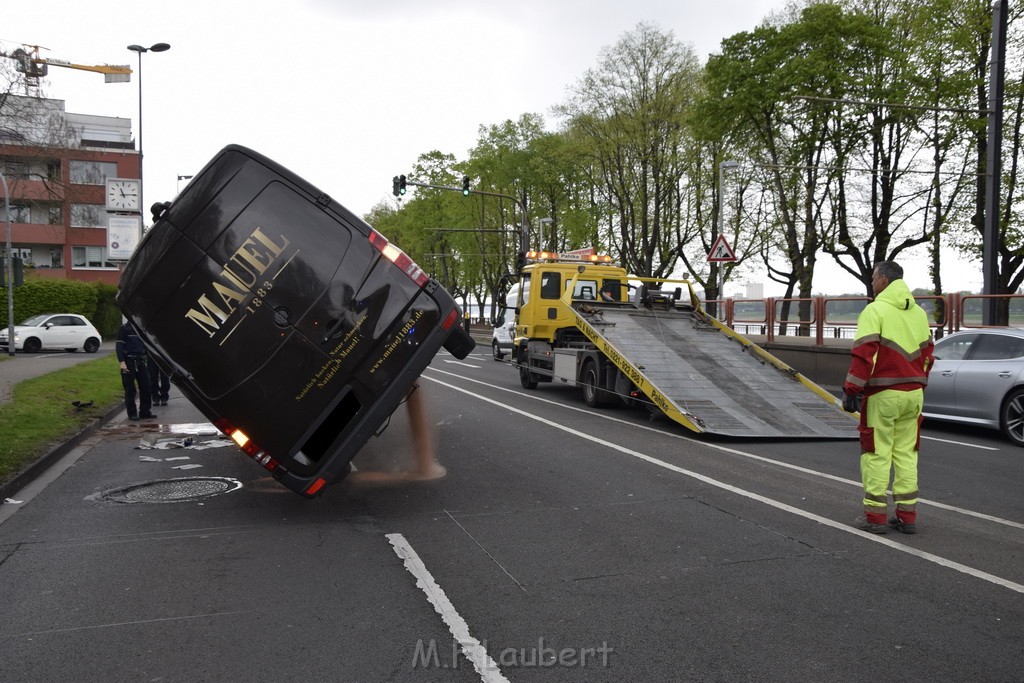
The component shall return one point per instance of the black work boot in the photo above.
(904, 527)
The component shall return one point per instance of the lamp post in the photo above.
(543, 222)
(156, 47)
(727, 163)
(9, 268)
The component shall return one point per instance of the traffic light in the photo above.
(398, 185)
(465, 185)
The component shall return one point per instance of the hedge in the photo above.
(94, 300)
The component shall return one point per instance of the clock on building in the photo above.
(123, 194)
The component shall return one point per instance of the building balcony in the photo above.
(36, 233)
(36, 190)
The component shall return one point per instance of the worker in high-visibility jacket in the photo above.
(892, 355)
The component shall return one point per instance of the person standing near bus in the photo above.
(131, 354)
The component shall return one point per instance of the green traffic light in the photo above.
(465, 185)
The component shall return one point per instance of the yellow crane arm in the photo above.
(98, 68)
(33, 65)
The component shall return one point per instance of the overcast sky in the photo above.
(346, 93)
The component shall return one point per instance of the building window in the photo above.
(92, 172)
(17, 170)
(56, 258)
(88, 216)
(25, 254)
(53, 213)
(90, 257)
(20, 213)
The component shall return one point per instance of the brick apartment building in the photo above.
(56, 164)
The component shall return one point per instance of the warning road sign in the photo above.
(721, 251)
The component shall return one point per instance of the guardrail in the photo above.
(823, 318)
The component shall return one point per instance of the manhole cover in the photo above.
(170, 490)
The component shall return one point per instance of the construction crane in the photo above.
(34, 65)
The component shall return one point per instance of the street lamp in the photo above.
(156, 47)
(9, 266)
(727, 163)
(543, 222)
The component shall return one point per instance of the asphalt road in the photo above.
(564, 544)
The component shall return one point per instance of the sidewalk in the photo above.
(29, 365)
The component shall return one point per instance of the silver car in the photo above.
(978, 379)
(67, 331)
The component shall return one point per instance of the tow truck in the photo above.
(584, 321)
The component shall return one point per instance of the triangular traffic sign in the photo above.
(721, 251)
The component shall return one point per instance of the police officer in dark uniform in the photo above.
(131, 353)
(160, 383)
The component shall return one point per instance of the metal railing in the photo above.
(820, 320)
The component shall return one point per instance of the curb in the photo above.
(43, 463)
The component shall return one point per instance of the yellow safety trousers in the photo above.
(890, 428)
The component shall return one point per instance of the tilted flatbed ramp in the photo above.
(708, 378)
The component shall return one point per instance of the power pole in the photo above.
(994, 165)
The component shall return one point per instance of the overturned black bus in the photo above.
(293, 325)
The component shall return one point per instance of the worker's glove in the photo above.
(851, 403)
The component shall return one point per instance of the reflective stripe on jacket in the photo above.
(893, 347)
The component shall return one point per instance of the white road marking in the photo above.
(960, 443)
(751, 456)
(456, 362)
(471, 647)
(936, 559)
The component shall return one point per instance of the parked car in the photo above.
(66, 331)
(978, 379)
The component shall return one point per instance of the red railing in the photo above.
(824, 318)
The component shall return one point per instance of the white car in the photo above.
(504, 333)
(505, 325)
(66, 331)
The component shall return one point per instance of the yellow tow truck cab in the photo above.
(543, 282)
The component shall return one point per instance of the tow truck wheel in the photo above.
(593, 396)
(526, 379)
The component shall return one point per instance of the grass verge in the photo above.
(41, 411)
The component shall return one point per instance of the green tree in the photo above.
(628, 113)
(751, 100)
